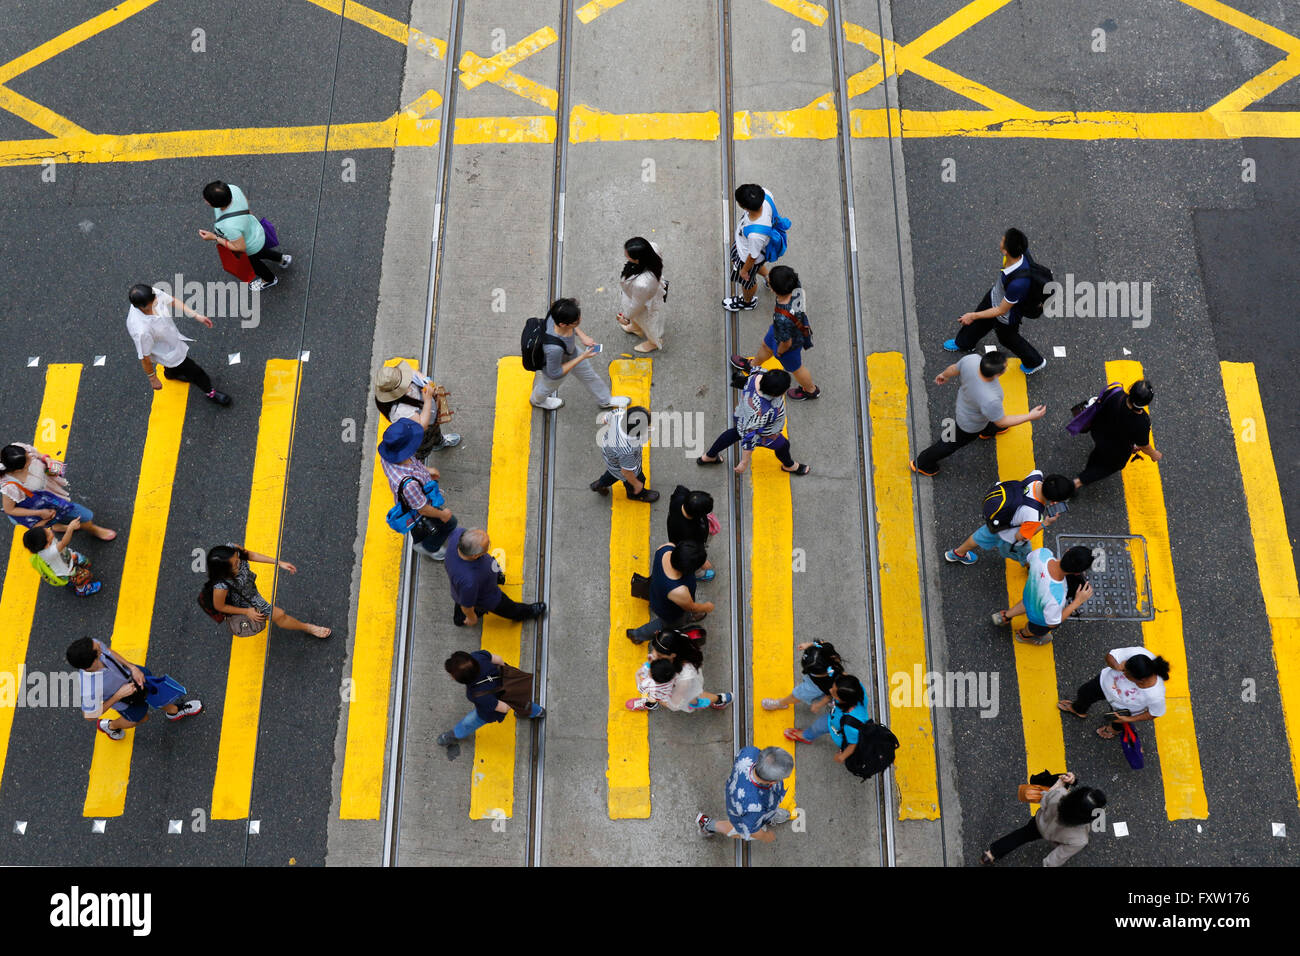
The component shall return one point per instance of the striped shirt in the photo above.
(413, 492)
(758, 416)
(617, 446)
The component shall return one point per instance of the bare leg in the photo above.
(283, 620)
(804, 378)
(966, 547)
(99, 531)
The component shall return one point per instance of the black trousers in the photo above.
(1087, 695)
(780, 446)
(606, 480)
(432, 438)
(1015, 839)
(1104, 461)
(929, 459)
(968, 336)
(189, 371)
(256, 260)
(511, 610)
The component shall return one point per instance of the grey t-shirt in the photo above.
(99, 686)
(557, 356)
(978, 401)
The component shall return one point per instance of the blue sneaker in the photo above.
(955, 558)
(708, 575)
(1037, 368)
(951, 346)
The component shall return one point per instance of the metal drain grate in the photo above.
(1120, 576)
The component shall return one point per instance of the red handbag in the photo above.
(237, 264)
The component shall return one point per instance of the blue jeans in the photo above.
(818, 727)
(472, 722)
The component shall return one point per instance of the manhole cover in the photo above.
(1120, 576)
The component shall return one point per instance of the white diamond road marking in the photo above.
(33, 361)
(1127, 352)
(98, 826)
(1279, 829)
(101, 359)
(254, 827)
(1058, 351)
(232, 358)
(20, 827)
(1121, 828)
(173, 826)
(304, 356)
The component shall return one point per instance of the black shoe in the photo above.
(646, 495)
(538, 609)
(598, 488)
(631, 636)
(221, 398)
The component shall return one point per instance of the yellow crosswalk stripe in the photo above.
(1035, 665)
(233, 786)
(1273, 555)
(1180, 756)
(22, 583)
(915, 769)
(590, 11)
(110, 767)
(627, 734)
(361, 789)
(492, 781)
(771, 600)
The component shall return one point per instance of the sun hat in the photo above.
(401, 439)
(392, 382)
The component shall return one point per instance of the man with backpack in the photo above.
(550, 349)
(761, 238)
(1017, 293)
(237, 230)
(1015, 511)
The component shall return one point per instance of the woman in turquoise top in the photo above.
(848, 699)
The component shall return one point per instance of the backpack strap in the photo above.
(229, 215)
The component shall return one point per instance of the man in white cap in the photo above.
(400, 392)
(622, 434)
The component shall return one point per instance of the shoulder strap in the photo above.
(112, 659)
(400, 485)
(242, 212)
(800, 324)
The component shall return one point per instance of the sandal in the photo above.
(1107, 732)
(1068, 707)
(795, 734)
(1000, 619)
(722, 701)
(772, 703)
(987, 857)
(704, 461)
(800, 470)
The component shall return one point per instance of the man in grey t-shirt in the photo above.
(562, 359)
(979, 408)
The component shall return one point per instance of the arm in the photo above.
(471, 616)
(745, 455)
(951, 373)
(442, 514)
(992, 313)
(681, 596)
(219, 602)
(197, 316)
(152, 371)
(19, 512)
(844, 754)
(426, 413)
(1081, 595)
(73, 525)
(584, 338)
(234, 245)
(1033, 415)
(1149, 450)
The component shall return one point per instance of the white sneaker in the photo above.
(286, 261)
(112, 734)
(550, 404)
(439, 555)
(257, 285)
(617, 401)
(187, 709)
(449, 440)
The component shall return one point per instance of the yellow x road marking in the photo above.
(475, 70)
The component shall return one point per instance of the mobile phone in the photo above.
(597, 348)
(1057, 508)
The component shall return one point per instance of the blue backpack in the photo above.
(776, 233)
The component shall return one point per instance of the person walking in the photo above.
(1132, 682)
(672, 590)
(1000, 311)
(758, 420)
(236, 229)
(622, 436)
(760, 238)
(476, 581)
(645, 290)
(1027, 507)
(158, 341)
(415, 485)
(979, 411)
(494, 688)
(848, 699)
(564, 358)
(110, 682)
(34, 497)
(233, 587)
(1120, 430)
(401, 393)
(57, 563)
(673, 676)
(753, 796)
(691, 518)
(788, 336)
(1064, 817)
(1053, 591)
(820, 664)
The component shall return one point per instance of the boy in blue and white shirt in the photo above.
(1053, 591)
(752, 246)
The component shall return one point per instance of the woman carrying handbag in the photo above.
(34, 494)
(234, 593)
(1064, 817)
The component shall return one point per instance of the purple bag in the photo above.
(1132, 747)
(1082, 421)
(272, 239)
(64, 512)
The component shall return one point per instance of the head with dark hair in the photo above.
(783, 280)
(141, 295)
(636, 423)
(774, 382)
(663, 669)
(217, 194)
(222, 562)
(462, 667)
(1076, 560)
(13, 458)
(1076, 807)
(822, 660)
(565, 312)
(1058, 488)
(641, 257)
(35, 539)
(81, 653)
(847, 689)
(1014, 243)
(688, 557)
(698, 504)
(1141, 668)
(1140, 393)
(750, 197)
(992, 364)
(679, 647)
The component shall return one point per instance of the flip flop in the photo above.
(1067, 706)
(1106, 733)
(801, 470)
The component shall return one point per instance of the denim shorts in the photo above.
(987, 540)
(791, 360)
(807, 691)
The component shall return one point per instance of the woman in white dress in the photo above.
(644, 292)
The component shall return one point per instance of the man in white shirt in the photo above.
(749, 245)
(159, 342)
(998, 311)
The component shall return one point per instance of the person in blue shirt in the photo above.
(997, 311)
(753, 796)
(484, 676)
(848, 699)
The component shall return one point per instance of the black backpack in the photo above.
(1031, 303)
(1003, 500)
(875, 749)
(532, 342)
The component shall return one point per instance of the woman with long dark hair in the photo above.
(1132, 682)
(34, 493)
(235, 594)
(1063, 820)
(672, 676)
(644, 292)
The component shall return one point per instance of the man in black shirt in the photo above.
(1120, 428)
(688, 520)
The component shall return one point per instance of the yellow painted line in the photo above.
(590, 11)
(1067, 125)
(1180, 757)
(961, 85)
(21, 582)
(818, 120)
(1247, 24)
(1273, 555)
(471, 63)
(771, 602)
(110, 767)
(36, 114)
(1259, 86)
(630, 550)
(385, 26)
(814, 13)
(504, 129)
(70, 38)
(476, 70)
(492, 778)
(915, 769)
(588, 125)
(233, 786)
(1035, 665)
(421, 107)
(362, 786)
(959, 22)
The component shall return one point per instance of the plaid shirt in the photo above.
(413, 493)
